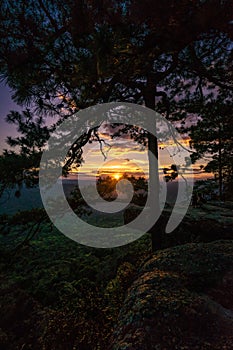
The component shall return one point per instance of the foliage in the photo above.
(170, 173)
(57, 293)
(106, 187)
(61, 57)
(21, 167)
(60, 294)
(16, 169)
(33, 134)
(207, 188)
(212, 137)
(77, 54)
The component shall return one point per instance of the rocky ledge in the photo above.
(182, 298)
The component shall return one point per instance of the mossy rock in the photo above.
(181, 299)
(205, 224)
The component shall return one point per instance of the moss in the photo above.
(57, 294)
(68, 287)
(167, 304)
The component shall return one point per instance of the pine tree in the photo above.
(60, 57)
(212, 138)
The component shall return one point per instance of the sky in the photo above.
(124, 156)
(6, 105)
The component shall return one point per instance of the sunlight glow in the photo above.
(117, 176)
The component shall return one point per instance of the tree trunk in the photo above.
(153, 186)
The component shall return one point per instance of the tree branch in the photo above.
(199, 68)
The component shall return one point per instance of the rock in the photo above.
(206, 224)
(181, 299)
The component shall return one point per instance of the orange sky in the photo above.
(125, 156)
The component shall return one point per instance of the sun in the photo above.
(117, 176)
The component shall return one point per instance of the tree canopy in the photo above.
(212, 139)
(63, 56)
(60, 57)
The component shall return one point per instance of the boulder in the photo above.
(182, 298)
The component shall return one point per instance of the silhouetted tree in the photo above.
(212, 138)
(60, 57)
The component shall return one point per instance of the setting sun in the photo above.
(117, 176)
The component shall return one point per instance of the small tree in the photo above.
(212, 139)
(22, 165)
